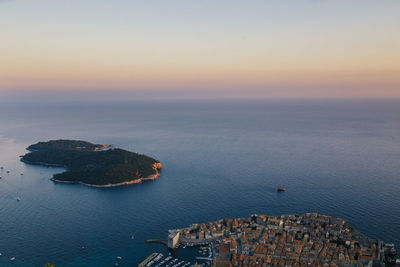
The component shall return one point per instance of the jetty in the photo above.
(147, 260)
(164, 242)
(204, 258)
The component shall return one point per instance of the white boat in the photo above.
(18, 199)
(159, 257)
(12, 259)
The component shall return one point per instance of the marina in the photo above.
(158, 260)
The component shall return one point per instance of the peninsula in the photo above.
(288, 240)
(90, 164)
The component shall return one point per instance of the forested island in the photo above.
(90, 164)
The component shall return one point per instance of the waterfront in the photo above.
(286, 240)
(220, 160)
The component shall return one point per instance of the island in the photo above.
(97, 165)
(309, 239)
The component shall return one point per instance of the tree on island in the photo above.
(89, 164)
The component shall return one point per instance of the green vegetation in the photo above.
(86, 164)
(65, 144)
(49, 265)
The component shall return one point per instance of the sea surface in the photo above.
(221, 159)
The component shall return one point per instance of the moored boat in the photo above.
(281, 189)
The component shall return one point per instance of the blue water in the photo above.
(220, 159)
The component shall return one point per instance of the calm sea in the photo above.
(220, 159)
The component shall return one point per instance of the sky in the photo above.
(208, 48)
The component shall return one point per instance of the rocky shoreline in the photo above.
(136, 181)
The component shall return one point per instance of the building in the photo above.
(173, 238)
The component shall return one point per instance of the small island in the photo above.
(97, 165)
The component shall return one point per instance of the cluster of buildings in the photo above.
(288, 240)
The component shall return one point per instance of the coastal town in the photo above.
(289, 240)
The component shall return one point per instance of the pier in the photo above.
(164, 242)
(204, 258)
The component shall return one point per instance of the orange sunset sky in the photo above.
(255, 48)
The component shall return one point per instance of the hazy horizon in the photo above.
(157, 96)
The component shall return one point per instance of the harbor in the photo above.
(182, 252)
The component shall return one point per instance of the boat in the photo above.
(119, 258)
(22, 173)
(12, 259)
(281, 189)
(159, 257)
(7, 171)
(18, 199)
